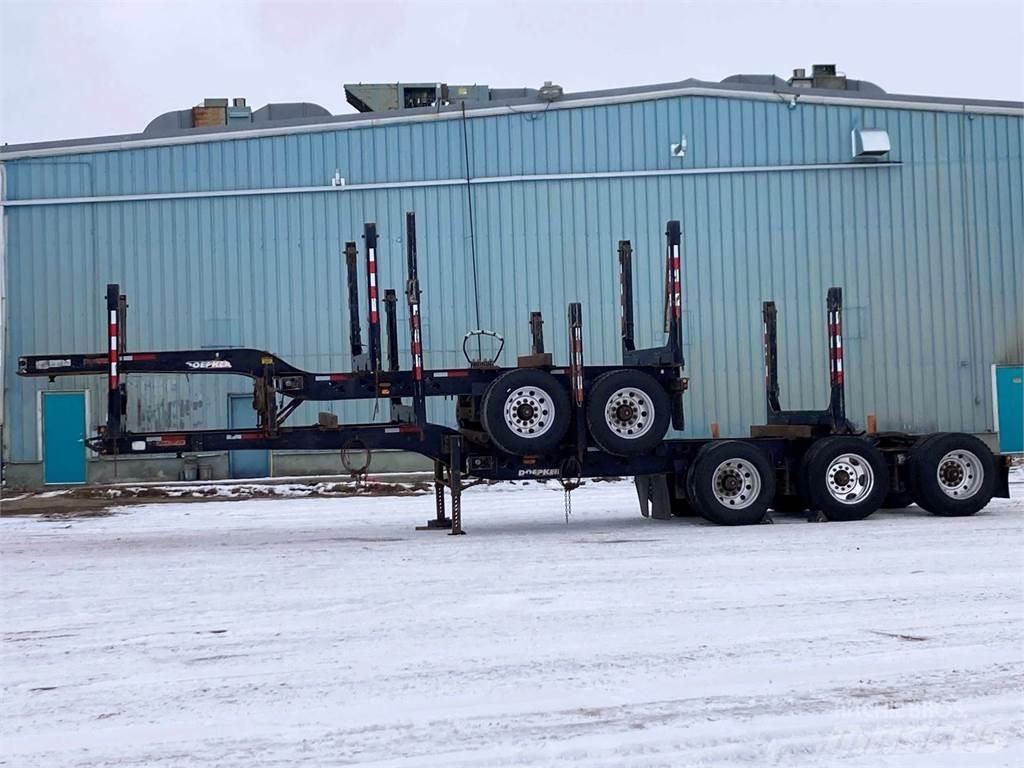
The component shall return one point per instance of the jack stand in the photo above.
(440, 521)
(455, 481)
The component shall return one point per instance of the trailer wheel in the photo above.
(952, 474)
(627, 412)
(731, 483)
(844, 477)
(525, 411)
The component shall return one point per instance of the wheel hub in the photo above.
(849, 478)
(736, 483)
(960, 474)
(528, 411)
(624, 412)
(524, 412)
(951, 473)
(629, 413)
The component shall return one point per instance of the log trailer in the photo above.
(566, 422)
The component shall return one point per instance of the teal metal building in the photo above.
(233, 235)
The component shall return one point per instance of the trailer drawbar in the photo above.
(544, 420)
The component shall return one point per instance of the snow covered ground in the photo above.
(327, 631)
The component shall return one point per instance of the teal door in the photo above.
(1009, 402)
(63, 437)
(245, 463)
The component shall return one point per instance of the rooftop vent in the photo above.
(387, 97)
(822, 76)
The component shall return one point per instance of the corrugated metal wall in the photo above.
(930, 253)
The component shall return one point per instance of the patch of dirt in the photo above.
(100, 501)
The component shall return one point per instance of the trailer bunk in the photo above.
(541, 420)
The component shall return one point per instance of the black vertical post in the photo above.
(837, 400)
(576, 375)
(391, 327)
(771, 357)
(536, 333)
(114, 394)
(674, 289)
(370, 236)
(122, 322)
(355, 336)
(626, 295)
(122, 330)
(412, 293)
(391, 331)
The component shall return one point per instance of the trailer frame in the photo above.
(279, 388)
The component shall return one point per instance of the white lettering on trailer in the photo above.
(204, 364)
(554, 472)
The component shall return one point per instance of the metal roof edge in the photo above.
(569, 101)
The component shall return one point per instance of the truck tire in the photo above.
(731, 483)
(952, 474)
(525, 412)
(844, 477)
(627, 412)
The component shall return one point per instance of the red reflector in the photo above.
(143, 356)
(171, 440)
(339, 377)
(458, 373)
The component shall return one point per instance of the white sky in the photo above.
(81, 68)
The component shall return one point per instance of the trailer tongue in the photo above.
(541, 420)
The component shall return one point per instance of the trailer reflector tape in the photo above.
(677, 286)
(170, 441)
(138, 357)
(138, 445)
(392, 430)
(45, 365)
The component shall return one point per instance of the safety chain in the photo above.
(569, 476)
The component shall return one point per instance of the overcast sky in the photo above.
(82, 68)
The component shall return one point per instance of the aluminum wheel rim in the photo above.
(528, 412)
(960, 474)
(849, 478)
(629, 413)
(736, 483)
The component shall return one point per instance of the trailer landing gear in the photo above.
(452, 524)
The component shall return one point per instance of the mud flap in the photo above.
(652, 493)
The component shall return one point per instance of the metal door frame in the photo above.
(270, 453)
(39, 430)
(995, 403)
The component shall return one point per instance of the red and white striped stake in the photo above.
(767, 381)
(417, 343)
(577, 364)
(112, 353)
(835, 343)
(372, 262)
(677, 285)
